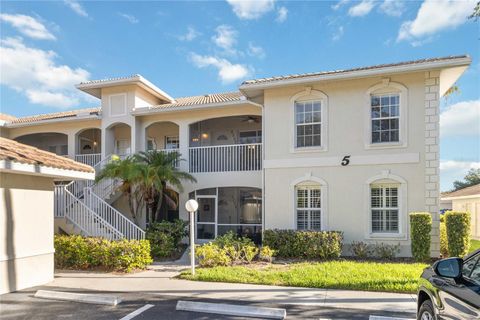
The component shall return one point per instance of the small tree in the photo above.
(471, 178)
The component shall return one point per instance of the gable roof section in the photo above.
(461, 59)
(13, 151)
(56, 115)
(206, 99)
(465, 192)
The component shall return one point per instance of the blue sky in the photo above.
(188, 48)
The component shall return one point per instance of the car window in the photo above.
(471, 269)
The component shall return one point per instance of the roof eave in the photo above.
(153, 110)
(463, 61)
(9, 166)
(94, 88)
(48, 121)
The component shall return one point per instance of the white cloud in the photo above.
(251, 9)
(393, 8)
(76, 7)
(130, 18)
(225, 38)
(340, 4)
(190, 35)
(256, 51)
(453, 165)
(282, 14)
(361, 9)
(338, 34)
(227, 71)
(434, 16)
(461, 119)
(34, 73)
(28, 26)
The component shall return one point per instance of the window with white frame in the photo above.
(308, 124)
(384, 208)
(309, 207)
(385, 117)
(172, 142)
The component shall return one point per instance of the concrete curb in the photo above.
(232, 309)
(78, 297)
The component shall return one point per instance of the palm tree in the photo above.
(130, 172)
(164, 180)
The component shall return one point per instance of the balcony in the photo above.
(225, 158)
(89, 159)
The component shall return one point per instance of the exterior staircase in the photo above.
(83, 205)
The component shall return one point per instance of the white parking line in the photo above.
(386, 318)
(232, 310)
(135, 313)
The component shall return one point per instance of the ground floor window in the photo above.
(384, 208)
(237, 209)
(309, 207)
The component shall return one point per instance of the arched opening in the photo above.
(49, 141)
(162, 136)
(225, 209)
(88, 146)
(118, 139)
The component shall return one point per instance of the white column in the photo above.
(183, 137)
(72, 145)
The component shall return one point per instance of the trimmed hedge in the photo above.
(304, 244)
(420, 233)
(443, 240)
(458, 233)
(77, 252)
(165, 237)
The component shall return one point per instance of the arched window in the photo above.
(386, 203)
(310, 194)
(387, 115)
(310, 120)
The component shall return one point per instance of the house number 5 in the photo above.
(345, 161)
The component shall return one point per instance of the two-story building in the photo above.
(351, 150)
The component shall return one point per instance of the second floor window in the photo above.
(385, 117)
(308, 124)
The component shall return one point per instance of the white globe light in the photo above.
(191, 205)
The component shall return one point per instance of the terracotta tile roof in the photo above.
(133, 76)
(203, 99)
(6, 117)
(379, 66)
(55, 115)
(22, 153)
(468, 191)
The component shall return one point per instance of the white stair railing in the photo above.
(90, 159)
(85, 219)
(114, 217)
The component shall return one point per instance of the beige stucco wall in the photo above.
(346, 204)
(26, 231)
(472, 205)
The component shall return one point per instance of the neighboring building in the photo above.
(467, 200)
(351, 150)
(26, 212)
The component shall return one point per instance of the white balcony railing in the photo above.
(90, 159)
(237, 157)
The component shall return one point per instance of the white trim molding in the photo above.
(387, 87)
(385, 177)
(309, 94)
(8, 166)
(336, 161)
(308, 177)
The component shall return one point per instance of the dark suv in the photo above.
(450, 289)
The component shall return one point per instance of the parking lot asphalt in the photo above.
(22, 305)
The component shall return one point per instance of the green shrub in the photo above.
(458, 233)
(165, 237)
(304, 244)
(266, 254)
(386, 251)
(360, 249)
(420, 234)
(77, 252)
(443, 240)
(211, 255)
(248, 253)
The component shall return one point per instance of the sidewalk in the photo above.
(158, 280)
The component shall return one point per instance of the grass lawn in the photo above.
(474, 245)
(353, 275)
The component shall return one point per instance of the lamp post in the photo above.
(192, 206)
